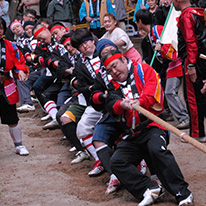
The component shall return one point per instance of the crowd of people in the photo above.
(87, 81)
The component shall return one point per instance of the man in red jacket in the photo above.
(147, 140)
(191, 43)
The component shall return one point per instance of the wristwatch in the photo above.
(191, 66)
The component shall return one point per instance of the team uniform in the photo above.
(147, 139)
(11, 62)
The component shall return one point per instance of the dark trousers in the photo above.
(149, 144)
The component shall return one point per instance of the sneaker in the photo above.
(201, 139)
(80, 156)
(73, 149)
(184, 124)
(97, 169)
(21, 150)
(26, 108)
(112, 186)
(188, 201)
(45, 118)
(51, 125)
(150, 195)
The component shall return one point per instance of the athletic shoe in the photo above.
(184, 124)
(45, 118)
(97, 169)
(201, 139)
(26, 108)
(188, 201)
(21, 150)
(112, 186)
(73, 149)
(150, 195)
(80, 156)
(51, 125)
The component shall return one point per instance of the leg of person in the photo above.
(195, 105)
(69, 121)
(9, 116)
(63, 95)
(24, 89)
(124, 165)
(165, 164)
(85, 129)
(176, 105)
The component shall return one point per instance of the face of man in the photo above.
(28, 17)
(58, 33)
(118, 69)
(28, 30)
(18, 30)
(87, 48)
(44, 36)
(142, 28)
(106, 50)
(70, 48)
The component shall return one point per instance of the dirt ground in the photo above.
(46, 177)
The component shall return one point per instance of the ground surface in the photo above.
(46, 177)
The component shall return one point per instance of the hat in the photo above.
(14, 23)
(28, 23)
(102, 43)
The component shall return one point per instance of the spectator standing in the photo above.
(61, 10)
(4, 11)
(191, 38)
(31, 4)
(120, 10)
(162, 11)
(93, 11)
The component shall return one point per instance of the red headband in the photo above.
(112, 58)
(55, 27)
(39, 31)
(66, 40)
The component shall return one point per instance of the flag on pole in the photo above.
(170, 33)
(171, 37)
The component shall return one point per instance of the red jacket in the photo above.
(150, 93)
(187, 27)
(14, 62)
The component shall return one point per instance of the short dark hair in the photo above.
(144, 15)
(78, 37)
(48, 21)
(65, 36)
(2, 21)
(30, 11)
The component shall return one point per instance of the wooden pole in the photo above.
(171, 128)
